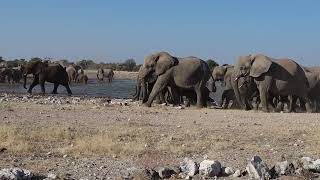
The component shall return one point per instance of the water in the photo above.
(116, 89)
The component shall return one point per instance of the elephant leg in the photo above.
(264, 98)
(176, 97)
(68, 89)
(34, 83)
(55, 88)
(292, 103)
(161, 96)
(160, 84)
(199, 96)
(223, 97)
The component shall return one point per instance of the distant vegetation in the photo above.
(127, 65)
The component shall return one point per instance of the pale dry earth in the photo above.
(93, 138)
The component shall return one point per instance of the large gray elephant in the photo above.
(313, 76)
(43, 72)
(185, 73)
(277, 77)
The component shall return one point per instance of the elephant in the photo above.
(108, 73)
(186, 73)
(6, 74)
(149, 85)
(17, 73)
(223, 73)
(43, 72)
(82, 78)
(273, 77)
(313, 76)
(72, 73)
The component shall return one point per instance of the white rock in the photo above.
(189, 167)
(284, 168)
(166, 172)
(237, 173)
(258, 169)
(210, 168)
(51, 176)
(15, 173)
(228, 171)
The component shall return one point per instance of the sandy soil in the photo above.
(91, 138)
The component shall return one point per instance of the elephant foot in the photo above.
(199, 106)
(147, 104)
(265, 110)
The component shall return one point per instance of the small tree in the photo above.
(129, 64)
(212, 64)
(35, 59)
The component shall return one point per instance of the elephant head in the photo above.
(219, 72)
(253, 65)
(34, 68)
(248, 67)
(155, 65)
(158, 63)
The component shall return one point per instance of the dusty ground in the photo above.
(93, 139)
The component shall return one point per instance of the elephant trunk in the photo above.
(235, 87)
(144, 91)
(25, 81)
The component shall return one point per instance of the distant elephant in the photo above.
(72, 73)
(82, 78)
(186, 73)
(108, 73)
(279, 77)
(43, 72)
(17, 73)
(6, 74)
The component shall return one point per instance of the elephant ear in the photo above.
(38, 67)
(260, 65)
(164, 61)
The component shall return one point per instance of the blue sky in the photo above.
(114, 30)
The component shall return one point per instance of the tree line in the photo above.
(127, 65)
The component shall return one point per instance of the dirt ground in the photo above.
(95, 139)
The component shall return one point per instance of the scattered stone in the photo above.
(237, 173)
(315, 166)
(258, 169)
(51, 176)
(189, 167)
(179, 107)
(15, 173)
(166, 172)
(210, 168)
(65, 156)
(284, 168)
(227, 171)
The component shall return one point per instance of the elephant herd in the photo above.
(44, 71)
(254, 81)
(11, 75)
